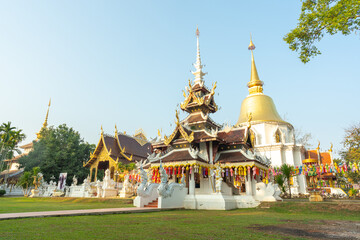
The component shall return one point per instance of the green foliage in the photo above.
(59, 150)
(9, 140)
(352, 192)
(351, 143)
(286, 170)
(25, 182)
(351, 151)
(126, 167)
(320, 17)
(279, 179)
(2, 193)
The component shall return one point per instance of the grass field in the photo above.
(21, 204)
(287, 220)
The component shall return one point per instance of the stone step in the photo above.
(153, 204)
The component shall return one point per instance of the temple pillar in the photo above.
(91, 170)
(248, 185)
(96, 170)
(253, 185)
(192, 184)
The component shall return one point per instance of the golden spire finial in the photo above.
(255, 85)
(102, 130)
(251, 45)
(331, 147)
(318, 147)
(116, 131)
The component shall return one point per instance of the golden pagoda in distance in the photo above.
(260, 106)
(271, 135)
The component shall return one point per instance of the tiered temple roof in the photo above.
(120, 147)
(198, 137)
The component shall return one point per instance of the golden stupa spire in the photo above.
(47, 115)
(198, 73)
(254, 85)
(45, 122)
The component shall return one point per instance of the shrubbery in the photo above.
(2, 193)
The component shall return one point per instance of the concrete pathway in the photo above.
(6, 216)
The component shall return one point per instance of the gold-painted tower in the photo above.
(259, 106)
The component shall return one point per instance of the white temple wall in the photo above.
(205, 187)
(265, 133)
(289, 156)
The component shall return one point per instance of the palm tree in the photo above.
(9, 139)
(25, 182)
(286, 170)
(279, 179)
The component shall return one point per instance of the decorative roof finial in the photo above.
(198, 73)
(116, 131)
(102, 130)
(255, 85)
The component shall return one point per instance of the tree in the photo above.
(302, 138)
(126, 168)
(9, 140)
(286, 170)
(351, 152)
(59, 150)
(25, 182)
(320, 17)
(279, 179)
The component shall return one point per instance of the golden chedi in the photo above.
(257, 107)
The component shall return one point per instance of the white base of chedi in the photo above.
(219, 202)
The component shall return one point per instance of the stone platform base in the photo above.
(125, 195)
(219, 202)
(109, 192)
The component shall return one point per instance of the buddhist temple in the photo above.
(322, 164)
(217, 164)
(272, 136)
(113, 149)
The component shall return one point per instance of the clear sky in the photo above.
(127, 62)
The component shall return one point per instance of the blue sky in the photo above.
(127, 62)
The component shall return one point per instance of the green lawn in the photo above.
(270, 221)
(22, 204)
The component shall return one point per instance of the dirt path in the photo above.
(348, 230)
